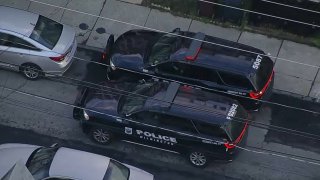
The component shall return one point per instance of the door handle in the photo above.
(119, 120)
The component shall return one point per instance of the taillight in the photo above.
(257, 95)
(229, 145)
(104, 55)
(58, 59)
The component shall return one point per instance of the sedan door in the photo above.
(14, 51)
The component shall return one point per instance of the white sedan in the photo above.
(61, 162)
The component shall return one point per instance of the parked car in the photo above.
(198, 124)
(66, 163)
(35, 45)
(244, 76)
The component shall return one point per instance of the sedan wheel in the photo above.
(198, 159)
(31, 72)
(100, 135)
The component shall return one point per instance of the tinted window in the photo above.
(116, 171)
(47, 32)
(189, 71)
(131, 103)
(210, 130)
(13, 41)
(146, 117)
(235, 80)
(162, 49)
(176, 123)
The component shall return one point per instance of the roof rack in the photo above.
(170, 94)
(195, 46)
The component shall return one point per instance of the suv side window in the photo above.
(189, 71)
(235, 80)
(147, 117)
(168, 68)
(176, 123)
(13, 41)
(210, 129)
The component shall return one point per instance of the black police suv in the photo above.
(245, 76)
(167, 116)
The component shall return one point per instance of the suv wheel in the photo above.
(100, 135)
(31, 71)
(198, 159)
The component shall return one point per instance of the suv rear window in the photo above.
(210, 130)
(47, 32)
(236, 125)
(235, 80)
(262, 75)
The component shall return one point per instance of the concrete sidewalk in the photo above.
(293, 77)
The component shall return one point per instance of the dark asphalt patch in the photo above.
(297, 120)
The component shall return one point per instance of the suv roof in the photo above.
(192, 103)
(17, 20)
(216, 56)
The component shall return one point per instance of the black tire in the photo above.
(198, 159)
(100, 135)
(31, 71)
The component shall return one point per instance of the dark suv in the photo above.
(243, 75)
(166, 116)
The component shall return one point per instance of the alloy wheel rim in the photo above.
(101, 136)
(31, 72)
(198, 159)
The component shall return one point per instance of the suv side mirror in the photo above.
(176, 30)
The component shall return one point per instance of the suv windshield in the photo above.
(163, 48)
(262, 75)
(116, 171)
(47, 32)
(132, 102)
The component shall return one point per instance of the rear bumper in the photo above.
(65, 65)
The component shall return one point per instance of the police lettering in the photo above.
(257, 62)
(232, 112)
(156, 137)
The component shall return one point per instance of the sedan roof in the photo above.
(78, 164)
(18, 21)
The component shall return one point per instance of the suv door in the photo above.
(164, 131)
(190, 74)
(181, 130)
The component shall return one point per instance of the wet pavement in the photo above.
(306, 124)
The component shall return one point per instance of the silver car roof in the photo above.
(78, 164)
(18, 21)
(11, 153)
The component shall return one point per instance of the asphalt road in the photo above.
(27, 119)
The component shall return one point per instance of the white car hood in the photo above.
(138, 174)
(11, 153)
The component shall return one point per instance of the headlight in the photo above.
(113, 67)
(85, 115)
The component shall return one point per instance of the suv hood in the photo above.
(106, 100)
(131, 61)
